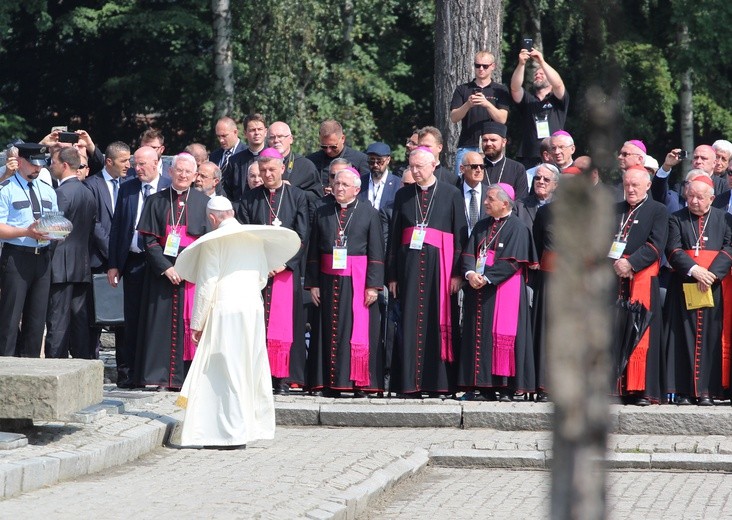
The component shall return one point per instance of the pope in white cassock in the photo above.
(227, 394)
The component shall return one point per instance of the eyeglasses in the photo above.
(483, 65)
(478, 166)
(342, 185)
(83, 166)
(626, 154)
(540, 178)
(273, 137)
(328, 146)
(561, 147)
(377, 160)
(411, 143)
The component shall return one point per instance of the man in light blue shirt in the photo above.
(25, 269)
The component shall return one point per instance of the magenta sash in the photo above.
(279, 326)
(505, 322)
(189, 292)
(444, 242)
(356, 269)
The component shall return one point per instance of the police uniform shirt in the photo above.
(16, 209)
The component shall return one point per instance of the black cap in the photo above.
(491, 127)
(380, 149)
(33, 153)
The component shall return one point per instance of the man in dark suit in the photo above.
(380, 185)
(333, 146)
(126, 256)
(472, 185)
(299, 171)
(431, 138)
(235, 183)
(227, 133)
(67, 320)
(104, 186)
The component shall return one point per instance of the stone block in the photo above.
(11, 479)
(11, 441)
(691, 461)
(48, 389)
(674, 420)
(410, 416)
(297, 414)
(71, 465)
(508, 416)
(616, 460)
(488, 459)
(39, 472)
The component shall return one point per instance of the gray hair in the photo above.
(184, 156)
(551, 169)
(501, 194)
(722, 145)
(216, 170)
(339, 160)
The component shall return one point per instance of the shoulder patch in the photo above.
(4, 183)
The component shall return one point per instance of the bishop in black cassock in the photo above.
(345, 351)
(277, 203)
(164, 341)
(697, 341)
(428, 231)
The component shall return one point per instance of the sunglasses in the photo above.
(540, 178)
(328, 146)
(475, 166)
(482, 65)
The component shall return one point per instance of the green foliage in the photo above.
(712, 120)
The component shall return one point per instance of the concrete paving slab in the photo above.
(414, 416)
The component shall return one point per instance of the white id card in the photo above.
(542, 129)
(480, 263)
(418, 236)
(340, 258)
(616, 250)
(172, 243)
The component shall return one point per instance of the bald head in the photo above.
(703, 158)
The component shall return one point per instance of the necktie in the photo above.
(34, 202)
(225, 160)
(145, 195)
(473, 209)
(115, 190)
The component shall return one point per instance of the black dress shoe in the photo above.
(410, 395)
(505, 396)
(705, 400)
(641, 401)
(542, 397)
(360, 394)
(683, 400)
(317, 393)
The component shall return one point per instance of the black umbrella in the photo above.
(631, 322)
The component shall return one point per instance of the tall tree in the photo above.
(462, 27)
(223, 61)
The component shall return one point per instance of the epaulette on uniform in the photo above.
(4, 183)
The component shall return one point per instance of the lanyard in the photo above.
(698, 238)
(176, 223)
(272, 212)
(423, 217)
(342, 230)
(622, 231)
(495, 235)
(500, 175)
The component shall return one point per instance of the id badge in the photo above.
(480, 263)
(542, 129)
(616, 250)
(418, 236)
(340, 258)
(172, 243)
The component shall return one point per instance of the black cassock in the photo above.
(288, 207)
(694, 337)
(161, 333)
(418, 363)
(645, 229)
(329, 355)
(542, 233)
(510, 239)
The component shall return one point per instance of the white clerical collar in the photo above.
(428, 186)
(272, 190)
(179, 192)
(344, 205)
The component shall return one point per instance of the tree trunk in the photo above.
(462, 28)
(223, 62)
(686, 108)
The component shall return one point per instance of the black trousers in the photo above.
(134, 277)
(25, 280)
(67, 321)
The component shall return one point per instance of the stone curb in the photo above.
(517, 416)
(20, 476)
(355, 500)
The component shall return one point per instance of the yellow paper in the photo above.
(695, 299)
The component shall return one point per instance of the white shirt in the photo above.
(467, 196)
(153, 189)
(110, 187)
(376, 190)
